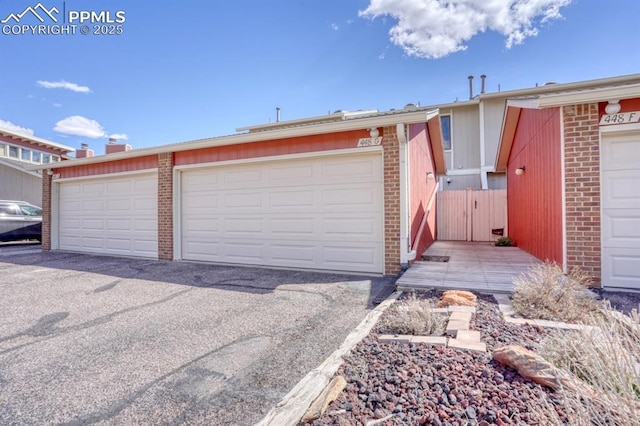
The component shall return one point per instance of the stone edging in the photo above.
(293, 406)
(509, 315)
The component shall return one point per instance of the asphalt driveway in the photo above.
(103, 340)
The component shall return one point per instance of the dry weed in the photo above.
(545, 292)
(414, 316)
(605, 356)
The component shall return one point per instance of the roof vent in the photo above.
(112, 141)
(410, 106)
(549, 83)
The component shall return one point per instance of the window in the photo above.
(55, 158)
(36, 158)
(8, 210)
(31, 210)
(445, 126)
(2, 150)
(13, 151)
(26, 154)
(46, 158)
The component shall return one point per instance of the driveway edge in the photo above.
(290, 410)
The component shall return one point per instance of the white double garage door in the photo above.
(620, 157)
(323, 212)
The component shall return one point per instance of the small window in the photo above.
(445, 126)
(13, 151)
(3, 152)
(46, 158)
(36, 157)
(31, 210)
(25, 155)
(55, 158)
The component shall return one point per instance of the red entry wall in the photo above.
(534, 198)
(626, 105)
(117, 166)
(422, 189)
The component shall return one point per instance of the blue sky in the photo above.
(194, 69)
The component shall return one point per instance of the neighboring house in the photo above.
(471, 132)
(17, 153)
(342, 192)
(572, 161)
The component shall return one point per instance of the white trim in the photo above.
(177, 214)
(107, 175)
(33, 139)
(563, 184)
(406, 255)
(381, 120)
(526, 103)
(619, 128)
(590, 96)
(284, 157)
(55, 216)
(483, 174)
(463, 172)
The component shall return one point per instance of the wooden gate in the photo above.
(472, 215)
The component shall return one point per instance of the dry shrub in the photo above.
(414, 316)
(545, 292)
(605, 356)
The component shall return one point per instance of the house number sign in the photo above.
(620, 118)
(370, 141)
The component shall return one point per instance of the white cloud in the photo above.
(335, 27)
(78, 125)
(7, 125)
(57, 105)
(63, 85)
(120, 136)
(437, 28)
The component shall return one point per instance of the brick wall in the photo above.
(582, 180)
(46, 211)
(391, 149)
(165, 206)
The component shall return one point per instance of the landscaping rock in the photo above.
(457, 298)
(534, 367)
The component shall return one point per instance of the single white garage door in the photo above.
(110, 215)
(621, 211)
(319, 213)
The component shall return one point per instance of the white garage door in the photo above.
(318, 213)
(621, 211)
(110, 215)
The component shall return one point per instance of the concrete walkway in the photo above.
(461, 265)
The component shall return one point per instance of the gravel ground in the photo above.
(400, 384)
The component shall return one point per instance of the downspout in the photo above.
(406, 255)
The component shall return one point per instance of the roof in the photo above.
(19, 165)
(619, 89)
(348, 123)
(35, 140)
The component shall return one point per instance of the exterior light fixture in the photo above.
(430, 175)
(374, 132)
(520, 170)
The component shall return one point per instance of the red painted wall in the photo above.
(119, 166)
(534, 198)
(422, 219)
(626, 105)
(270, 148)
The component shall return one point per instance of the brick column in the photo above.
(46, 210)
(391, 154)
(582, 188)
(165, 206)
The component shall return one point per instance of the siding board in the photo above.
(535, 197)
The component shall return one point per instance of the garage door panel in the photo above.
(317, 213)
(621, 211)
(110, 216)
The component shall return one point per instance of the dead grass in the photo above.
(545, 292)
(413, 316)
(606, 357)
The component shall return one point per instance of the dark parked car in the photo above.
(20, 221)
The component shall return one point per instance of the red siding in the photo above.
(271, 148)
(626, 105)
(535, 197)
(118, 166)
(422, 219)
